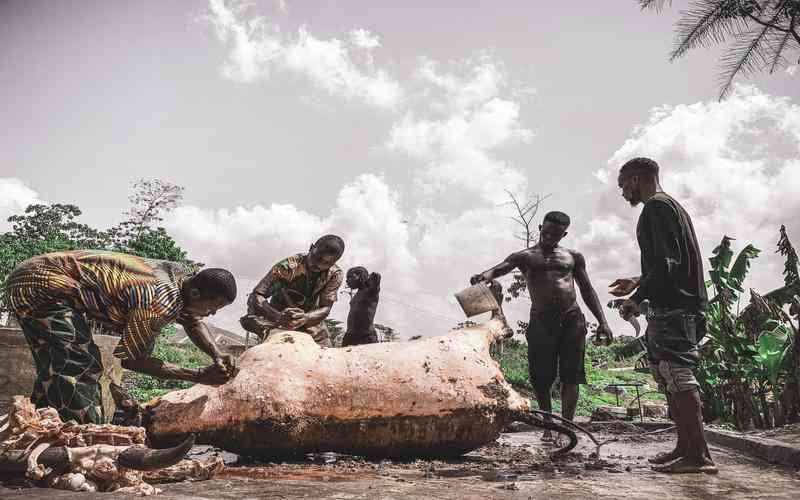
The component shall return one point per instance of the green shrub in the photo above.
(144, 387)
(514, 365)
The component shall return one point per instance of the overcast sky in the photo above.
(398, 127)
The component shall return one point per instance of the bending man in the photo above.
(557, 330)
(53, 295)
(298, 293)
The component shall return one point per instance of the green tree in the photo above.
(157, 244)
(762, 33)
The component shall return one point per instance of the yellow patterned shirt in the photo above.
(133, 296)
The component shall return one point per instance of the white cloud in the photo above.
(15, 196)
(484, 81)
(282, 6)
(452, 121)
(249, 240)
(455, 139)
(328, 64)
(363, 39)
(734, 165)
(258, 48)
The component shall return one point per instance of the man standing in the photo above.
(363, 305)
(53, 295)
(298, 293)
(672, 280)
(557, 330)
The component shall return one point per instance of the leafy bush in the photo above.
(144, 387)
(514, 365)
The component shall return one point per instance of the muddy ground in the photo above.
(516, 466)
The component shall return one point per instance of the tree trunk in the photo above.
(790, 401)
(766, 420)
(744, 410)
(778, 412)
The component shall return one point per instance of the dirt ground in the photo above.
(516, 466)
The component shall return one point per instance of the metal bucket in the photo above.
(477, 299)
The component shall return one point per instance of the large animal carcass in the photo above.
(440, 396)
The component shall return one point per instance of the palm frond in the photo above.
(778, 44)
(748, 55)
(705, 23)
(656, 5)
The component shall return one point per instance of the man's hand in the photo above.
(629, 309)
(212, 375)
(623, 286)
(293, 317)
(227, 363)
(603, 335)
(478, 278)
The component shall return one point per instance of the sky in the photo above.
(402, 128)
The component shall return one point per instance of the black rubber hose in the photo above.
(531, 419)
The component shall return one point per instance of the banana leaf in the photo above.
(740, 267)
(773, 345)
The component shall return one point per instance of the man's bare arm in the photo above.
(316, 316)
(259, 299)
(198, 333)
(588, 293)
(210, 375)
(500, 269)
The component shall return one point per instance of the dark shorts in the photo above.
(672, 335)
(556, 345)
(360, 339)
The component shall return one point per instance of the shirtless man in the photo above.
(557, 330)
(362, 307)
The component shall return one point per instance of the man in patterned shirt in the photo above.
(53, 295)
(298, 293)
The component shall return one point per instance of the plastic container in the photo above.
(477, 299)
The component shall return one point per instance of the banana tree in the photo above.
(729, 354)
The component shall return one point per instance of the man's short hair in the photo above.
(330, 244)
(215, 282)
(557, 218)
(358, 270)
(639, 166)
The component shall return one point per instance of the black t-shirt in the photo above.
(672, 267)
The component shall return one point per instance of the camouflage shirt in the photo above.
(290, 283)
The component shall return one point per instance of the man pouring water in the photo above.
(557, 329)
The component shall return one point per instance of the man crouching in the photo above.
(53, 295)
